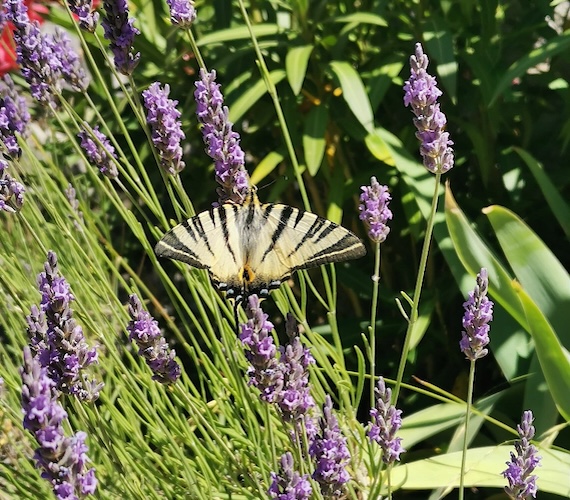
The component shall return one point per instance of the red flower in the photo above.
(36, 11)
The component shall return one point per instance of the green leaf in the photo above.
(266, 166)
(519, 68)
(439, 44)
(237, 33)
(354, 93)
(557, 203)
(252, 95)
(296, 66)
(314, 142)
(483, 468)
(360, 18)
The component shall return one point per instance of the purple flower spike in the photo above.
(164, 121)
(386, 421)
(71, 69)
(36, 54)
(264, 372)
(83, 10)
(374, 210)
(522, 484)
(331, 454)
(144, 330)
(222, 141)
(14, 116)
(421, 93)
(182, 12)
(102, 157)
(289, 484)
(478, 313)
(11, 191)
(63, 460)
(57, 340)
(120, 32)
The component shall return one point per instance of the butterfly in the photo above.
(253, 247)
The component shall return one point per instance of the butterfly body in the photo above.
(251, 248)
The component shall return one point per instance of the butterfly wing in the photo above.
(209, 240)
(293, 240)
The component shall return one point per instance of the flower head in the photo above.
(182, 12)
(144, 330)
(14, 116)
(478, 313)
(522, 484)
(100, 153)
(63, 460)
(374, 210)
(57, 340)
(289, 484)
(83, 10)
(164, 121)
(221, 140)
(11, 191)
(421, 94)
(71, 69)
(261, 352)
(386, 420)
(120, 32)
(330, 453)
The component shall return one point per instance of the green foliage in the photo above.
(317, 118)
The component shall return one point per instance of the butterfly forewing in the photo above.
(251, 248)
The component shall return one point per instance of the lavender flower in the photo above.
(36, 54)
(478, 313)
(264, 372)
(522, 484)
(182, 12)
(83, 10)
(119, 30)
(144, 330)
(78, 220)
(421, 94)
(57, 340)
(164, 121)
(62, 459)
(14, 116)
(374, 210)
(330, 453)
(222, 141)
(11, 191)
(294, 400)
(289, 484)
(100, 153)
(386, 420)
(71, 69)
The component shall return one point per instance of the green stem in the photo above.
(372, 327)
(417, 290)
(467, 416)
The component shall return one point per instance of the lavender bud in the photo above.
(14, 116)
(144, 330)
(164, 121)
(330, 453)
(522, 484)
(120, 32)
(57, 340)
(11, 191)
(222, 142)
(289, 484)
(63, 460)
(386, 420)
(182, 12)
(374, 210)
(83, 10)
(478, 313)
(101, 153)
(71, 69)
(421, 94)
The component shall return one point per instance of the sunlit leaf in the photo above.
(296, 66)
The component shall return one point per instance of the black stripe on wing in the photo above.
(282, 223)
